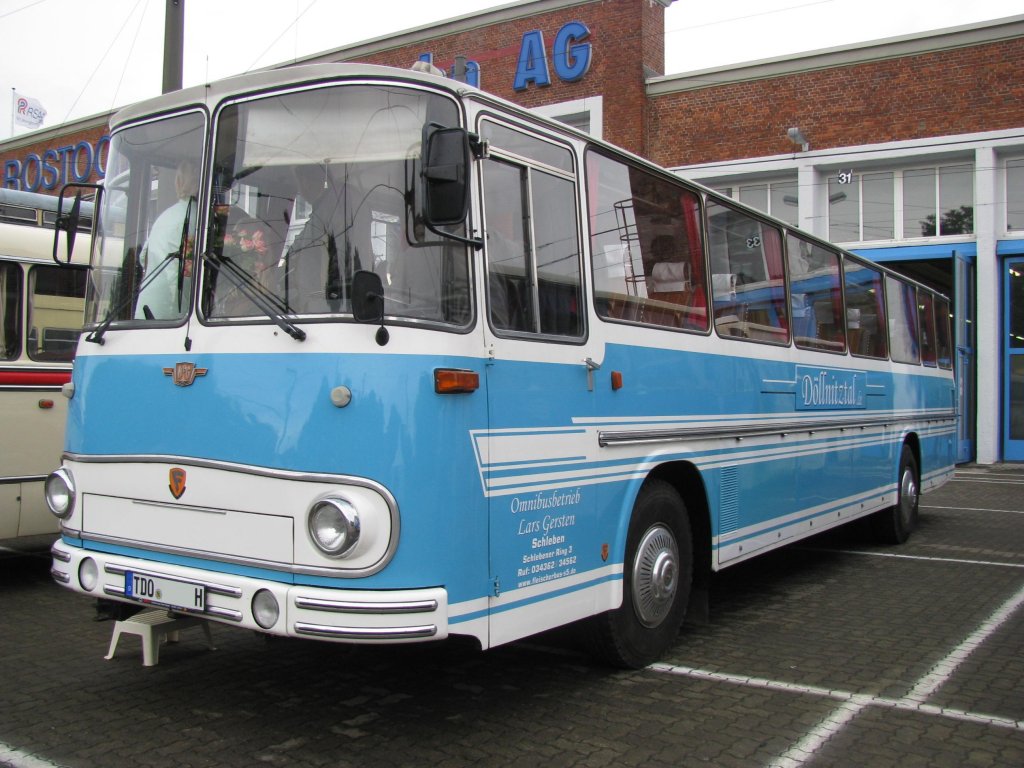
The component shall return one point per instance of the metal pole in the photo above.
(174, 40)
(459, 70)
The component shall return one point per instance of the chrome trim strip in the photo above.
(343, 606)
(63, 578)
(64, 557)
(212, 588)
(276, 474)
(366, 633)
(223, 613)
(172, 505)
(309, 570)
(22, 479)
(738, 432)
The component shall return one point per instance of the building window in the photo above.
(861, 207)
(583, 114)
(776, 198)
(1015, 195)
(938, 202)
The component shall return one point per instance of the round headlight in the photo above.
(265, 609)
(334, 526)
(60, 493)
(88, 574)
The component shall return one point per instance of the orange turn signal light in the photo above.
(46, 404)
(452, 381)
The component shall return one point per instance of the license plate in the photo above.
(160, 590)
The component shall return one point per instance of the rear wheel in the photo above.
(894, 525)
(657, 576)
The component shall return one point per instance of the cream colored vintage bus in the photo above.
(40, 319)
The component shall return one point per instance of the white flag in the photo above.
(28, 112)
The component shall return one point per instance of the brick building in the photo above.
(908, 150)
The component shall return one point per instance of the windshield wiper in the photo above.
(96, 336)
(243, 283)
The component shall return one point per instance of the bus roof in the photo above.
(210, 94)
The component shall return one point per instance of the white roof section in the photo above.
(211, 94)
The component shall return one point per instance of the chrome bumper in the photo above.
(342, 615)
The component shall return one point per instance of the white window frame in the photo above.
(592, 106)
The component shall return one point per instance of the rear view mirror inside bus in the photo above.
(367, 297)
(445, 176)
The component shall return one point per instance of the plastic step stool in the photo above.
(156, 627)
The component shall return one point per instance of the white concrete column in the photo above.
(989, 318)
(813, 202)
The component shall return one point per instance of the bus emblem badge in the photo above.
(184, 374)
(177, 484)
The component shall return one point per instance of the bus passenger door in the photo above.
(963, 319)
(540, 376)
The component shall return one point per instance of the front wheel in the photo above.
(657, 576)
(894, 525)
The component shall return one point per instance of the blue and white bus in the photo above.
(373, 356)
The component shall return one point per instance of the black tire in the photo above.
(657, 576)
(895, 524)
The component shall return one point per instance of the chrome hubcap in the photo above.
(655, 575)
(908, 495)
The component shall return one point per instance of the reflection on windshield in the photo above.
(312, 186)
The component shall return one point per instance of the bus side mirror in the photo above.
(67, 223)
(446, 177)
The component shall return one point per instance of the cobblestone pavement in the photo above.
(831, 653)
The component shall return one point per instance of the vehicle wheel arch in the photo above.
(689, 484)
(912, 441)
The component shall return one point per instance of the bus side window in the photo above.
(646, 247)
(532, 247)
(904, 338)
(10, 310)
(865, 309)
(926, 319)
(56, 301)
(748, 278)
(816, 296)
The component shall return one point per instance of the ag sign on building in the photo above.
(569, 54)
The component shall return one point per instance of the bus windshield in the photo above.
(314, 185)
(307, 188)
